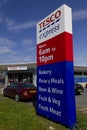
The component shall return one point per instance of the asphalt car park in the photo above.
(81, 101)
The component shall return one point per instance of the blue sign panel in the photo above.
(55, 97)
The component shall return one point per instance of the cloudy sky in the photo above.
(18, 19)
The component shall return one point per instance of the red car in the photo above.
(20, 91)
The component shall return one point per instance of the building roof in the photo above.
(80, 68)
(4, 67)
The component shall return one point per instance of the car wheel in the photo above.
(4, 94)
(17, 98)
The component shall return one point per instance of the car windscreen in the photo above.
(28, 85)
(13, 85)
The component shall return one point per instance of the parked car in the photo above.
(20, 91)
(86, 85)
(78, 88)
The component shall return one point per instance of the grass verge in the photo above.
(21, 116)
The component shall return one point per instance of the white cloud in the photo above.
(27, 42)
(80, 15)
(16, 58)
(7, 47)
(19, 27)
(80, 61)
(22, 59)
(7, 42)
(4, 50)
(2, 2)
(13, 26)
(9, 54)
(9, 22)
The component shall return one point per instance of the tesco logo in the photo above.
(50, 19)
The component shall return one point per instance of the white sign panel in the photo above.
(55, 24)
(17, 68)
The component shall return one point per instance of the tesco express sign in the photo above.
(50, 19)
(53, 25)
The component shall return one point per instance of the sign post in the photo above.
(55, 74)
